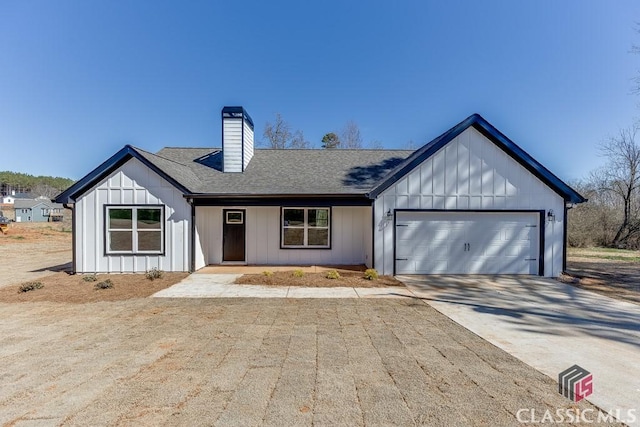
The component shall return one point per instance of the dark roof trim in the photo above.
(281, 195)
(112, 163)
(495, 136)
(299, 200)
(237, 112)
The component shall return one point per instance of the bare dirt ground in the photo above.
(29, 251)
(614, 273)
(317, 280)
(62, 287)
(258, 362)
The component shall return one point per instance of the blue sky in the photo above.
(79, 79)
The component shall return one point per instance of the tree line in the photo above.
(611, 217)
(280, 135)
(47, 186)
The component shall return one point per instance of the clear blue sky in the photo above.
(79, 79)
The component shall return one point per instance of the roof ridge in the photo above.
(156, 155)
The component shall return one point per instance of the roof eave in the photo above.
(108, 166)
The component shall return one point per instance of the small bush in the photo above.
(332, 274)
(90, 278)
(30, 286)
(298, 273)
(371, 274)
(154, 274)
(267, 273)
(107, 284)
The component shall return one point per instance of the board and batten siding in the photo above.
(232, 140)
(469, 173)
(350, 237)
(131, 184)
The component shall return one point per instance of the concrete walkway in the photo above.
(203, 285)
(550, 326)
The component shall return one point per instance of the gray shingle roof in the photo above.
(285, 172)
(32, 203)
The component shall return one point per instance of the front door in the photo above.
(233, 235)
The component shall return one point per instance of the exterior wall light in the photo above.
(389, 215)
(551, 217)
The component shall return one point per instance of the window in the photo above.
(305, 228)
(134, 229)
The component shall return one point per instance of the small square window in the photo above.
(235, 217)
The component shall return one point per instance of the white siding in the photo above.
(350, 237)
(247, 144)
(132, 183)
(469, 173)
(232, 145)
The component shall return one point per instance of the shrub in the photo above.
(267, 273)
(298, 273)
(90, 278)
(30, 286)
(154, 274)
(371, 274)
(107, 284)
(332, 274)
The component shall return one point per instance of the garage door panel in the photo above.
(467, 243)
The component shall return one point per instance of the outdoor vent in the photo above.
(237, 139)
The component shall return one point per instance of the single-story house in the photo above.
(40, 209)
(469, 201)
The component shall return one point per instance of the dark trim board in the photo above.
(286, 201)
(541, 227)
(564, 238)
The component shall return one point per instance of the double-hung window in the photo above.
(306, 228)
(134, 229)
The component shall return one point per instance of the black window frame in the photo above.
(134, 250)
(306, 228)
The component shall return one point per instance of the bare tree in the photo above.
(376, 145)
(620, 178)
(278, 134)
(298, 140)
(351, 136)
(410, 145)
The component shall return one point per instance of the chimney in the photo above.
(237, 139)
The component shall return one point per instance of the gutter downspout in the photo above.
(73, 234)
(192, 256)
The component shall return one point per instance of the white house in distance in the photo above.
(469, 201)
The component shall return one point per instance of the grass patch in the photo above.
(609, 257)
(90, 278)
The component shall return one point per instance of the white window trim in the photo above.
(306, 228)
(134, 230)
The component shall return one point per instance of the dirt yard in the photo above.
(29, 251)
(317, 280)
(611, 272)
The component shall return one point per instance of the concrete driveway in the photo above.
(550, 326)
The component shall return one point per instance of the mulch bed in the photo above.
(66, 288)
(317, 280)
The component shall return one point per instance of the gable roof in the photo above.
(32, 203)
(197, 172)
(494, 135)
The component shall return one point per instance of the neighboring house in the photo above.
(470, 201)
(8, 200)
(37, 210)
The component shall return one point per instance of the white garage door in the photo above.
(467, 243)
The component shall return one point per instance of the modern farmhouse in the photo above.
(469, 202)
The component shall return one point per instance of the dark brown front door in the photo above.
(233, 235)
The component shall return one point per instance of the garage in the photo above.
(461, 242)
